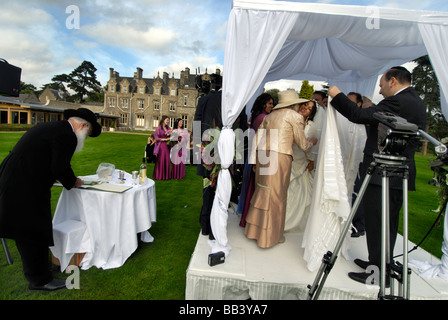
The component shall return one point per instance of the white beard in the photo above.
(81, 135)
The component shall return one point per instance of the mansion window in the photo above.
(156, 105)
(172, 106)
(185, 100)
(142, 89)
(125, 103)
(125, 89)
(155, 122)
(112, 88)
(112, 102)
(141, 103)
(173, 92)
(140, 120)
(184, 118)
(156, 90)
(124, 119)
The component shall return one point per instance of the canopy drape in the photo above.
(347, 46)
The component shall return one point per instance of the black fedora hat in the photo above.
(85, 114)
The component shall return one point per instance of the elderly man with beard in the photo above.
(39, 158)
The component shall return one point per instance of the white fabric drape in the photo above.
(250, 51)
(330, 205)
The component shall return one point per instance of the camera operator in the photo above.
(402, 100)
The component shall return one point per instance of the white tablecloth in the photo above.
(104, 225)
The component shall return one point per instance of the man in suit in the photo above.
(39, 158)
(208, 112)
(402, 100)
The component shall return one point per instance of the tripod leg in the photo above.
(384, 232)
(5, 248)
(405, 237)
(330, 257)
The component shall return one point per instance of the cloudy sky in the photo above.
(48, 37)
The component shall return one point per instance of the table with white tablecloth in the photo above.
(103, 225)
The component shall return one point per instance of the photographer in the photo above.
(402, 100)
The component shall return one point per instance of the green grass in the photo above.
(421, 206)
(157, 270)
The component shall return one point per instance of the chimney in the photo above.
(139, 73)
(111, 73)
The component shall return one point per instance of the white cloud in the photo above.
(129, 37)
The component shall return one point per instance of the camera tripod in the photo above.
(389, 166)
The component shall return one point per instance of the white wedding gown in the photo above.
(300, 185)
(330, 202)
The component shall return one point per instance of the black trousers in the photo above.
(208, 195)
(373, 210)
(35, 261)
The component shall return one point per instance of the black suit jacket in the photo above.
(208, 111)
(40, 157)
(406, 104)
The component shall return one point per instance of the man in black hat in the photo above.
(39, 158)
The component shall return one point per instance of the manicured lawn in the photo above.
(157, 270)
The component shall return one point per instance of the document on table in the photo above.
(101, 186)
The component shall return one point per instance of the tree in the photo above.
(306, 91)
(425, 82)
(274, 94)
(27, 88)
(82, 81)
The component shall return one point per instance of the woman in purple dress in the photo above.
(179, 149)
(162, 168)
(262, 106)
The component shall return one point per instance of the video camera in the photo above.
(394, 133)
(9, 78)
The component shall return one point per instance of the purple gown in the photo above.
(179, 159)
(162, 168)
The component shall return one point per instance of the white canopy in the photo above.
(347, 46)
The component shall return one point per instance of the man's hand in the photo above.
(313, 140)
(310, 166)
(333, 91)
(79, 182)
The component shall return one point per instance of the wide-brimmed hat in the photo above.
(288, 98)
(85, 114)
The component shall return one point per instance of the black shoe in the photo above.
(367, 278)
(362, 264)
(53, 285)
(357, 234)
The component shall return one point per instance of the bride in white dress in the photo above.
(301, 181)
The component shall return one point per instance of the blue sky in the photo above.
(156, 35)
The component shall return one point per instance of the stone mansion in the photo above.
(141, 102)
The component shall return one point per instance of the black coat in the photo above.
(40, 157)
(208, 112)
(406, 104)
